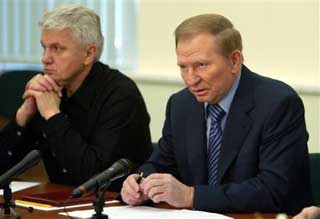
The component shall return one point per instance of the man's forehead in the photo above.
(55, 37)
(57, 33)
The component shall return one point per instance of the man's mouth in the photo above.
(48, 71)
(200, 92)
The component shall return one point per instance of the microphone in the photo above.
(28, 161)
(119, 169)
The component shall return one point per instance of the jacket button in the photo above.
(10, 153)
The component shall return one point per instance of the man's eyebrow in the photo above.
(51, 44)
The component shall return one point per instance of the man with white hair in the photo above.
(82, 115)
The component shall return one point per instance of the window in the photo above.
(20, 34)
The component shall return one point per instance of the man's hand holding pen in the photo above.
(132, 192)
(158, 187)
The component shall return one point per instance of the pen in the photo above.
(140, 178)
(34, 204)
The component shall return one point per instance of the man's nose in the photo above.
(191, 78)
(46, 57)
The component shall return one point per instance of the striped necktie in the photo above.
(215, 113)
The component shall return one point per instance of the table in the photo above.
(36, 214)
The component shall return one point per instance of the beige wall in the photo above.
(281, 37)
(281, 40)
(312, 109)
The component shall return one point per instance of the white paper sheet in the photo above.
(142, 212)
(19, 185)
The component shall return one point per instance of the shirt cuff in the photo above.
(16, 130)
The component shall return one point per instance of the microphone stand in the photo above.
(8, 205)
(99, 202)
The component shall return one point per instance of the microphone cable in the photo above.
(67, 213)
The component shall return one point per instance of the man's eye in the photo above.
(183, 68)
(203, 65)
(56, 49)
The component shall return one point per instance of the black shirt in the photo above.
(103, 121)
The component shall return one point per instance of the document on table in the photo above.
(19, 185)
(143, 212)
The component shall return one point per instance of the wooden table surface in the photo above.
(44, 188)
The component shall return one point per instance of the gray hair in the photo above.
(83, 22)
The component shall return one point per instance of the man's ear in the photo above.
(91, 54)
(236, 61)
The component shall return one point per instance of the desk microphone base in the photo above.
(99, 203)
(8, 205)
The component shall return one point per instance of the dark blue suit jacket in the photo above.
(263, 165)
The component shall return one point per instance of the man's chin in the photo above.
(206, 99)
(202, 99)
(58, 82)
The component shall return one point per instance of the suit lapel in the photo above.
(196, 142)
(238, 123)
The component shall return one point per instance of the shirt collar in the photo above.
(226, 101)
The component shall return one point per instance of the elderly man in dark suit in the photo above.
(233, 141)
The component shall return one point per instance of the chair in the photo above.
(315, 176)
(12, 84)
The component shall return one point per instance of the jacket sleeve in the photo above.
(162, 159)
(15, 143)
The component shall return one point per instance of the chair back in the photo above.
(12, 85)
(315, 176)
